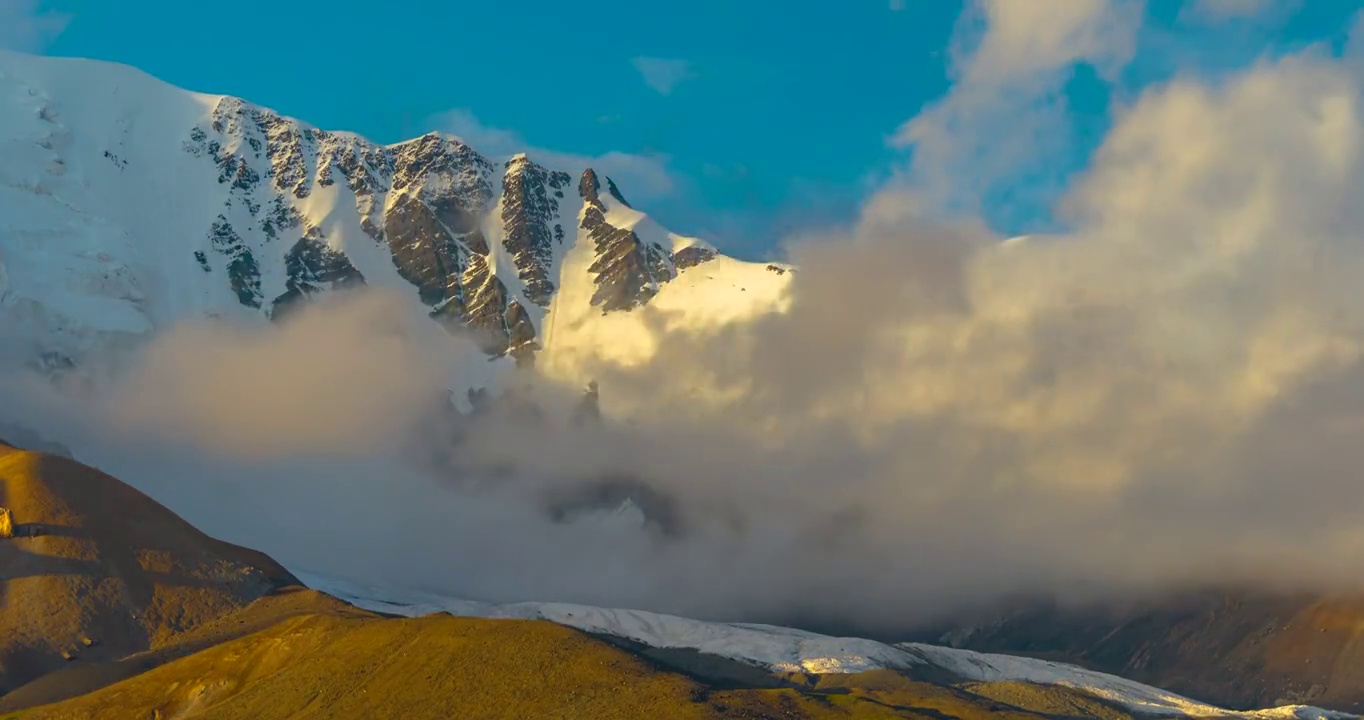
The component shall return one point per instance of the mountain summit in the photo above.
(127, 204)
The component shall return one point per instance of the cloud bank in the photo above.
(1005, 117)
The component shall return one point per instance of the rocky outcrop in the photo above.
(692, 256)
(313, 268)
(588, 411)
(531, 199)
(627, 271)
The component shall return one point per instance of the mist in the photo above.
(1167, 395)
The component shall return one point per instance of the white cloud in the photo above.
(25, 26)
(1171, 392)
(663, 74)
(1005, 113)
(1021, 40)
(267, 381)
(1354, 45)
(1214, 11)
(639, 175)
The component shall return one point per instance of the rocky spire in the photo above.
(589, 408)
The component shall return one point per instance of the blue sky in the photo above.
(746, 121)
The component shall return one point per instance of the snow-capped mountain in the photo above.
(127, 204)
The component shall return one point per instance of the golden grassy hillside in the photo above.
(337, 662)
(97, 570)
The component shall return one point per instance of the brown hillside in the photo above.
(76, 679)
(96, 570)
(1235, 650)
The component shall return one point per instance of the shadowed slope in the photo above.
(1236, 650)
(97, 570)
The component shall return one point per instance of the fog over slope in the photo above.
(1171, 392)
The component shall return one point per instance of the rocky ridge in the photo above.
(480, 242)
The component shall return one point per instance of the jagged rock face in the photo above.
(531, 198)
(627, 271)
(242, 271)
(428, 202)
(313, 268)
(692, 256)
(425, 253)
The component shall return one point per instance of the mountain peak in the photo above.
(198, 205)
(590, 188)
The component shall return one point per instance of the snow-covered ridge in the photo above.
(127, 204)
(780, 649)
